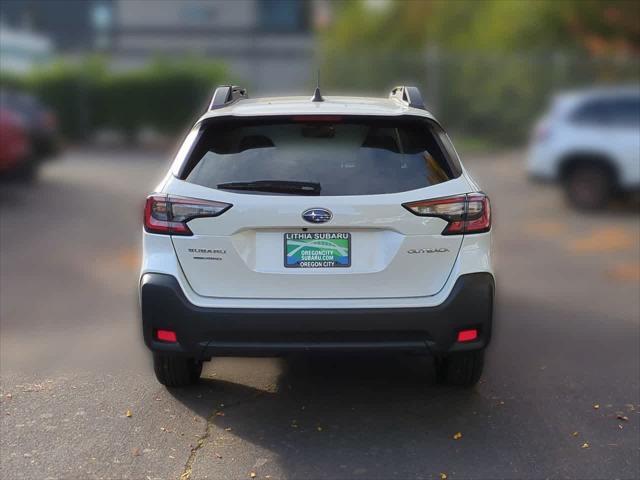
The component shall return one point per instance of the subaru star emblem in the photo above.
(317, 215)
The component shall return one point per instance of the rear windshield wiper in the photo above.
(275, 186)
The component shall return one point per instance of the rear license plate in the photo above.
(317, 250)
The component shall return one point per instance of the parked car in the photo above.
(326, 224)
(41, 125)
(15, 150)
(589, 141)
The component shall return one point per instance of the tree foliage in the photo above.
(164, 95)
(498, 26)
(482, 59)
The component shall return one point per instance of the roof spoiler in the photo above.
(410, 96)
(227, 94)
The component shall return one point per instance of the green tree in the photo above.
(481, 60)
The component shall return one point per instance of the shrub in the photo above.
(86, 96)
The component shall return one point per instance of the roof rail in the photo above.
(410, 96)
(226, 94)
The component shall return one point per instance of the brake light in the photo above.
(466, 214)
(317, 118)
(168, 214)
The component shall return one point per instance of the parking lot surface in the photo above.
(560, 397)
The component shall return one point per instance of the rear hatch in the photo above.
(317, 208)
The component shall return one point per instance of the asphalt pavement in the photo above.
(560, 396)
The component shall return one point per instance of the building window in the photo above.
(283, 15)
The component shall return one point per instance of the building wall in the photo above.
(172, 14)
(268, 45)
(21, 51)
(67, 23)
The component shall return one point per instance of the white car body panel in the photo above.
(474, 256)
(620, 145)
(302, 106)
(382, 231)
(251, 272)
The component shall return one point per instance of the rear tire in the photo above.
(176, 371)
(462, 369)
(589, 186)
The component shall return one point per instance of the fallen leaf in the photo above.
(610, 239)
(129, 414)
(135, 452)
(585, 445)
(457, 436)
(596, 406)
(252, 474)
(8, 395)
(622, 417)
(443, 476)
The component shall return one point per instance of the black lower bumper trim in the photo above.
(205, 332)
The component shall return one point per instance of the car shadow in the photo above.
(338, 416)
(385, 417)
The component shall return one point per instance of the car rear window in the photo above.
(341, 155)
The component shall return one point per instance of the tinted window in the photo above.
(618, 111)
(626, 111)
(282, 15)
(346, 156)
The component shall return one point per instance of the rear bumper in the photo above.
(205, 332)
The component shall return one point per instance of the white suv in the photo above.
(590, 141)
(324, 224)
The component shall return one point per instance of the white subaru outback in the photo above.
(326, 224)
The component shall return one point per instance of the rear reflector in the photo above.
(467, 335)
(166, 336)
(465, 213)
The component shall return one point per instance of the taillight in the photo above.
(466, 214)
(169, 214)
(49, 120)
(542, 131)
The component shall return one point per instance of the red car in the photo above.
(14, 143)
